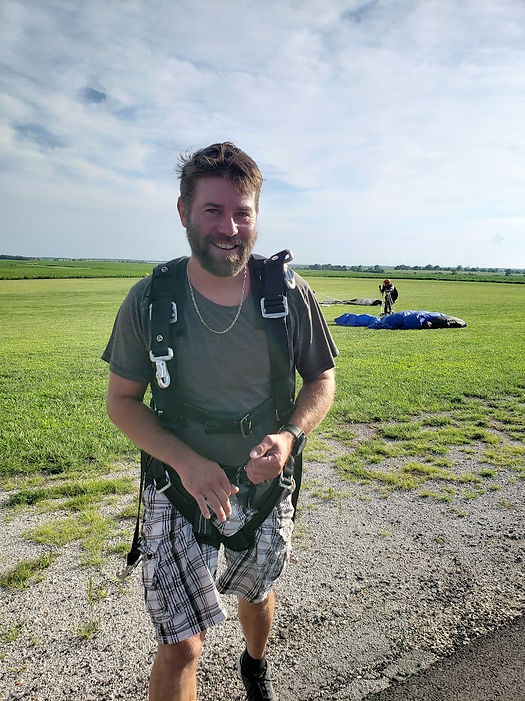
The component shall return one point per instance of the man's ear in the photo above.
(182, 212)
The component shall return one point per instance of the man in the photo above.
(223, 370)
(391, 294)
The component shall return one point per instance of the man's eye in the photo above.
(212, 210)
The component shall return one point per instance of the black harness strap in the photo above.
(166, 323)
(271, 289)
(134, 555)
(216, 424)
(167, 481)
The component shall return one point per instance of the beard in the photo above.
(203, 249)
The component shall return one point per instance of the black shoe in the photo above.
(257, 684)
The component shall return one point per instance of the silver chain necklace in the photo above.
(237, 314)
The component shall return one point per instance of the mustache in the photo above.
(224, 239)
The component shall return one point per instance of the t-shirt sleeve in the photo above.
(127, 351)
(314, 347)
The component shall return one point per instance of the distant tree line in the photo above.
(353, 268)
(378, 269)
(457, 268)
(6, 257)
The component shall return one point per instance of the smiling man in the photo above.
(218, 337)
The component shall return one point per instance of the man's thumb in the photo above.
(257, 452)
(261, 449)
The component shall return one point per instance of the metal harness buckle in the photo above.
(126, 571)
(162, 374)
(281, 301)
(245, 424)
(286, 481)
(167, 483)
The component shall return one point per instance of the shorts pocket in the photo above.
(156, 602)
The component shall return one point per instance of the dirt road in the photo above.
(380, 589)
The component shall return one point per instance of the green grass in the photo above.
(398, 374)
(45, 268)
(19, 576)
(79, 488)
(11, 633)
(52, 389)
(403, 276)
(89, 528)
(425, 392)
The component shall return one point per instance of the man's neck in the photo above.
(221, 290)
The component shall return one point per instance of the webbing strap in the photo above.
(166, 323)
(134, 556)
(168, 482)
(269, 279)
(163, 309)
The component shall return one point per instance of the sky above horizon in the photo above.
(387, 131)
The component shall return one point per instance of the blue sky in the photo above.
(388, 131)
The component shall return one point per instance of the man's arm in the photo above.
(313, 402)
(202, 478)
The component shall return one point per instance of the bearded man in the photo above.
(219, 438)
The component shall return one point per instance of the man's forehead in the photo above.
(211, 189)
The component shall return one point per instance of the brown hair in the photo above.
(221, 160)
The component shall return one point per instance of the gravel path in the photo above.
(379, 589)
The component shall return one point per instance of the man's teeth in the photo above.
(227, 246)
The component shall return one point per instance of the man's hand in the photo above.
(209, 486)
(203, 479)
(268, 458)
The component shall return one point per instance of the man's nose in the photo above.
(228, 226)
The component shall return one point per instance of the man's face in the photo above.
(221, 226)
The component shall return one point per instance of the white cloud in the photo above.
(388, 130)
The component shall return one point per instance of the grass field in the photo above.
(45, 268)
(427, 390)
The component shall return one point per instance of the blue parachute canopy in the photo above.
(407, 319)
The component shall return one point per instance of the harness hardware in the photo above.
(157, 481)
(274, 307)
(245, 425)
(161, 369)
(126, 571)
(174, 316)
(286, 481)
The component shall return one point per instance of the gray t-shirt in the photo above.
(228, 374)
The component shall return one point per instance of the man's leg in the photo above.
(253, 667)
(256, 621)
(174, 672)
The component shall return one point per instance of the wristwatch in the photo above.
(299, 436)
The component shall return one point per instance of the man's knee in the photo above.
(180, 656)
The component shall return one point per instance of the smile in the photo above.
(226, 246)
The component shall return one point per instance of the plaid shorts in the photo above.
(181, 588)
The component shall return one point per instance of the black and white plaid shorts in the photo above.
(181, 588)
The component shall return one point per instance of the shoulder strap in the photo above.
(166, 322)
(271, 279)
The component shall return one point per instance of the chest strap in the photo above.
(216, 424)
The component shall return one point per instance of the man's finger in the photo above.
(219, 503)
(203, 506)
